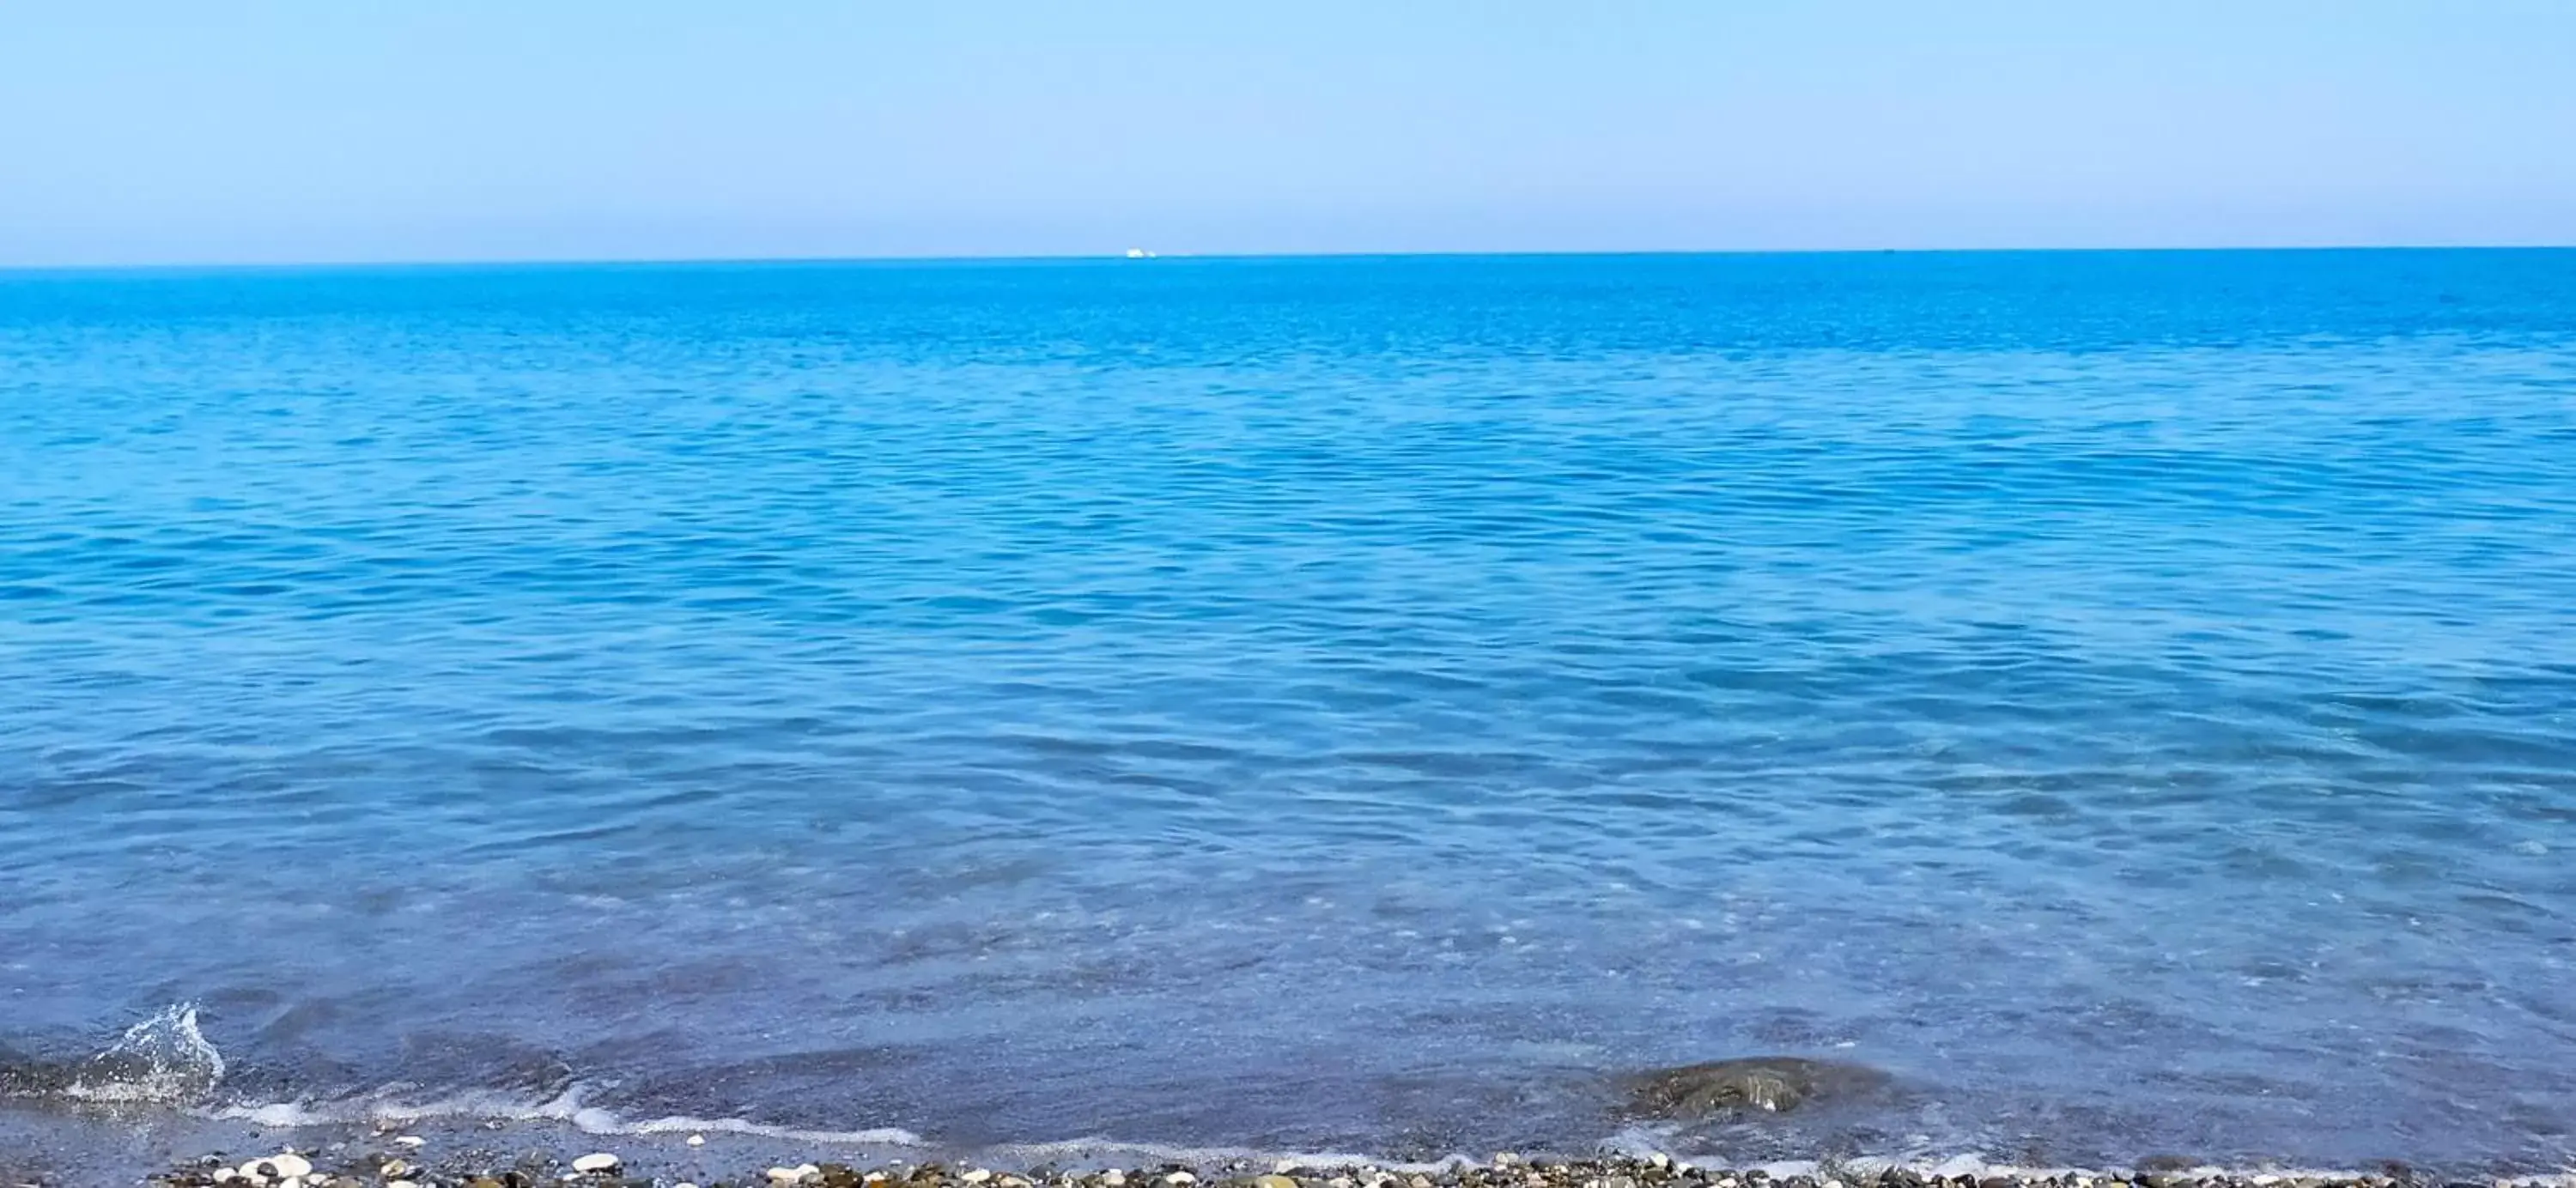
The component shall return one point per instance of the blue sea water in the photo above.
(1356, 704)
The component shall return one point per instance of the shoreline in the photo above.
(113, 1151)
(405, 1161)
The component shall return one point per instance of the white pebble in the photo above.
(697, 1140)
(1180, 1179)
(1660, 1160)
(600, 1161)
(410, 1140)
(400, 1184)
(1113, 1177)
(976, 1176)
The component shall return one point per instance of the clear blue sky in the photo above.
(231, 130)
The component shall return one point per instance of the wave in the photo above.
(166, 1061)
(565, 1108)
(163, 1060)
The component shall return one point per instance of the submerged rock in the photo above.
(1771, 1084)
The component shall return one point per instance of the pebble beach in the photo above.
(402, 1162)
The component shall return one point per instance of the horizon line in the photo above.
(1122, 256)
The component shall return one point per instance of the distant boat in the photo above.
(1139, 254)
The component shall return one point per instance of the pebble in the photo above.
(1651, 1170)
(697, 1140)
(410, 1140)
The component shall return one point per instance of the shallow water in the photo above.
(1359, 705)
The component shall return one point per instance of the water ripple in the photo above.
(2127, 696)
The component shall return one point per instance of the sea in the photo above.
(1302, 705)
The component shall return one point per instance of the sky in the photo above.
(190, 131)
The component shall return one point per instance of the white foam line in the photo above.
(1103, 1149)
(565, 1108)
(883, 1136)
